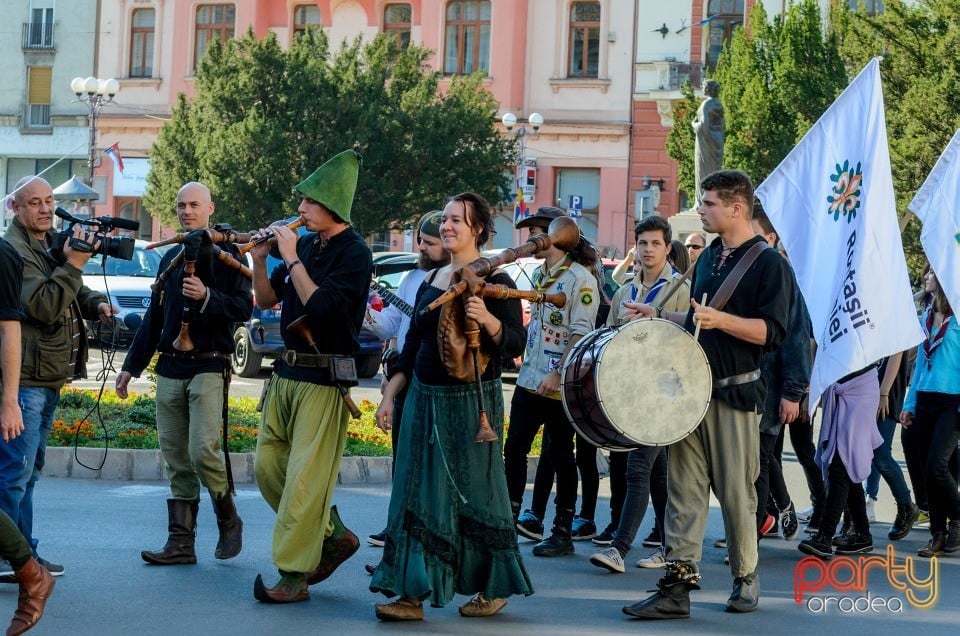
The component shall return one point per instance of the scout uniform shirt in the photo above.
(550, 327)
(636, 291)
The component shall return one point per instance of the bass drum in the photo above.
(646, 383)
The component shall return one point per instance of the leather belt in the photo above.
(734, 380)
(298, 359)
(191, 355)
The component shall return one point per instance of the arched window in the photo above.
(467, 37)
(305, 16)
(584, 39)
(397, 20)
(214, 22)
(141, 43)
(723, 16)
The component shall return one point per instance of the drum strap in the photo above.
(731, 282)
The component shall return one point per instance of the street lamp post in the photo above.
(509, 121)
(96, 93)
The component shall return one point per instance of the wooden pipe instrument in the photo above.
(191, 251)
(223, 234)
(301, 329)
(562, 233)
(221, 255)
(253, 242)
(499, 292)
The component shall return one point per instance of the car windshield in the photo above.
(145, 263)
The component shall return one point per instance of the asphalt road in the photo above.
(97, 529)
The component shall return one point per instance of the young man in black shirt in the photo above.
(723, 453)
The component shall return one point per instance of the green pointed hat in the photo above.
(334, 183)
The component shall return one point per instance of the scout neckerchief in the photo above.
(933, 340)
(650, 294)
(540, 284)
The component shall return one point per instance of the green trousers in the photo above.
(13, 547)
(189, 420)
(723, 453)
(302, 432)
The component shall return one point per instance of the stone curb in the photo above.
(123, 464)
(147, 465)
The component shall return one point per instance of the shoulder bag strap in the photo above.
(733, 280)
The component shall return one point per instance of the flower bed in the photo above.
(131, 423)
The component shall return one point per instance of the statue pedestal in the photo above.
(686, 223)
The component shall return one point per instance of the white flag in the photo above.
(937, 205)
(832, 202)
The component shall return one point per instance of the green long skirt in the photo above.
(450, 529)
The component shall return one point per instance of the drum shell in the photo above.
(646, 383)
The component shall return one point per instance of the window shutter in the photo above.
(39, 85)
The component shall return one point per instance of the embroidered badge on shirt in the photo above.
(556, 318)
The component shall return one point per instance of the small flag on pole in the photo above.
(114, 153)
(519, 207)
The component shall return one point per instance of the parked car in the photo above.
(127, 283)
(260, 338)
(389, 271)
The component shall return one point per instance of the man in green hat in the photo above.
(324, 279)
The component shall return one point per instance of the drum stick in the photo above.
(696, 331)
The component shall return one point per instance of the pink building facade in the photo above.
(569, 61)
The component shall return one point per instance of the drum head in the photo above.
(654, 382)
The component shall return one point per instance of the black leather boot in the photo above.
(952, 542)
(182, 528)
(672, 598)
(907, 515)
(559, 543)
(230, 526)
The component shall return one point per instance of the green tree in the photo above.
(681, 138)
(921, 85)
(262, 119)
(776, 79)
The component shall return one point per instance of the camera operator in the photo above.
(55, 303)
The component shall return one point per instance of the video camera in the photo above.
(118, 247)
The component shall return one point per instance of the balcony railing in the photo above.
(38, 36)
(37, 117)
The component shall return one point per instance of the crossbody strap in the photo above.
(733, 280)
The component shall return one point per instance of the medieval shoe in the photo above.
(337, 548)
(479, 606)
(291, 588)
(402, 609)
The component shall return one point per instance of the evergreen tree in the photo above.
(262, 119)
(681, 139)
(921, 86)
(776, 79)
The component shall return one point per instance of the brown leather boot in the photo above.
(182, 528)
(230, 526)
(35, 587)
